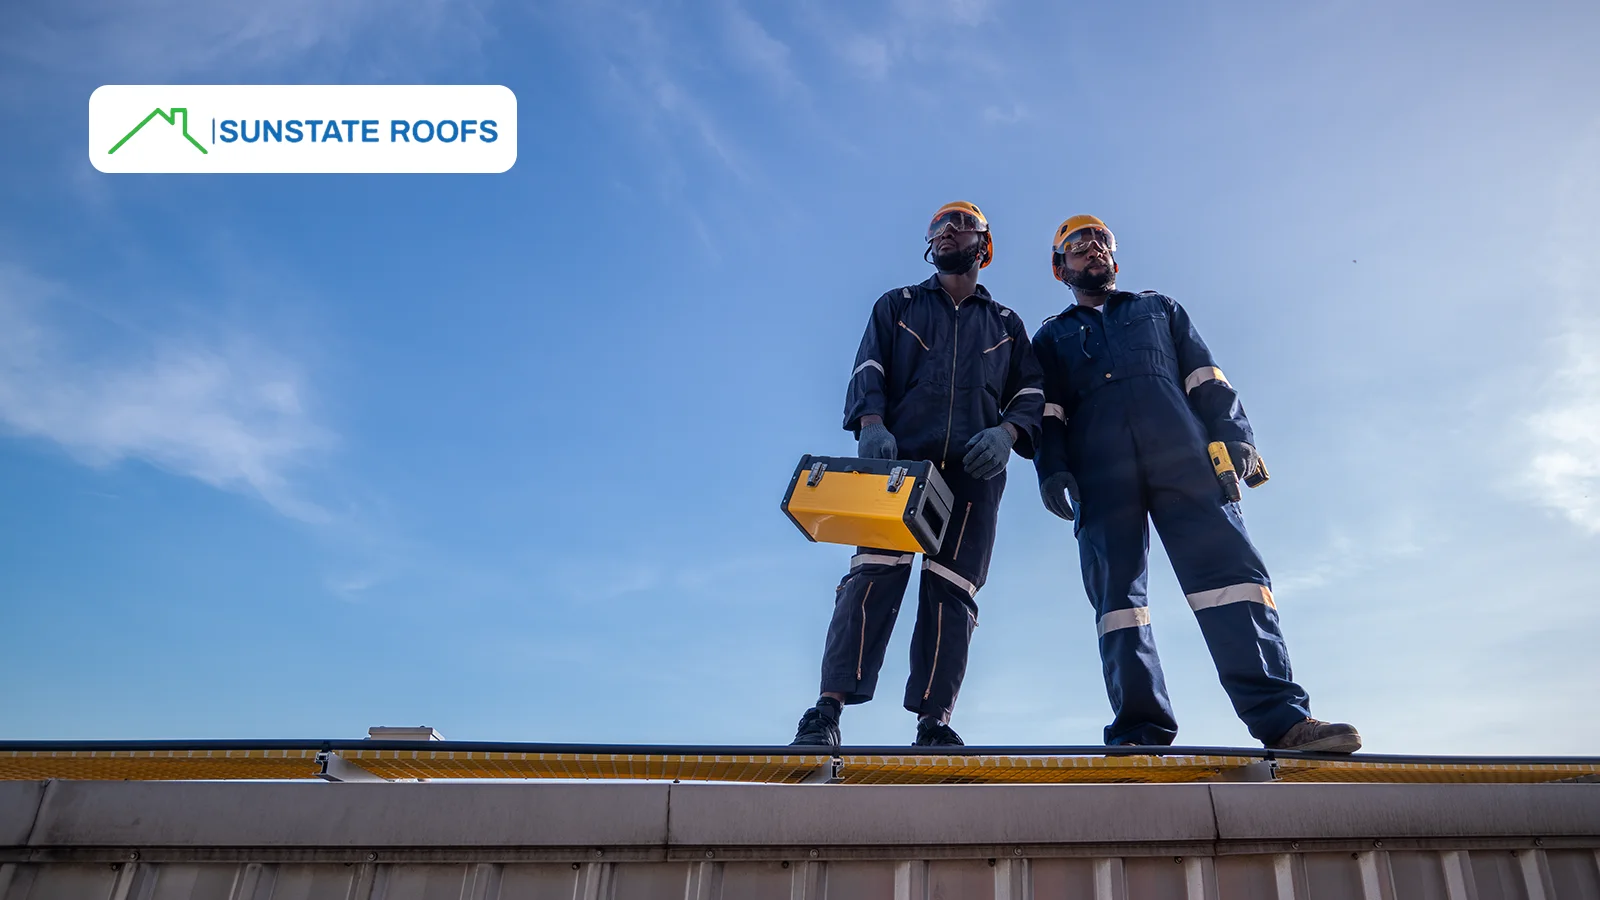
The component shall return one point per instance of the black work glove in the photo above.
(1245, 458)
(876, 442)
(1055, 490)
(988, 451)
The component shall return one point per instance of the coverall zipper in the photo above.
(862, 653)
(950, 421)
(938, 638)
(963, 535)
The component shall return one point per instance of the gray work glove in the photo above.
(1245, 458)
(876, 442)
(988, 451)
(1055, 490)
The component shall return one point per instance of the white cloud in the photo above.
(1344, 556)
(1564, 474)
(753, 46)
(169, 38)
(1563, 431)
(965, 12)
(226, 412)
(995, 115)
(868, 54)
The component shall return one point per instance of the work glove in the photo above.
(988, 451)
(1245, 458)
(1055, 490)
(876, 442)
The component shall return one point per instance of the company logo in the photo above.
(171, 117)
(302, 128)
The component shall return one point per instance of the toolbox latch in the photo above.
(897, 477)
(816, 474)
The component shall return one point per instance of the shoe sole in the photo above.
(1336, 743)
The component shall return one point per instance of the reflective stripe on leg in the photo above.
(1118, 619)
(1233, 593)
(950, 576)
(880, 559)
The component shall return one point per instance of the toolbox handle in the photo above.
(897, 477)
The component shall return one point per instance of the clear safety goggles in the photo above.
(955, 220)
(1081, 240)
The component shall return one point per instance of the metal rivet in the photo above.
(372, 857)
(1513, 853)
(576, 866)
(133, 855)
(1108, 374)
(710, 855)
(599, 853)
(1294, 845)
(1538, 842)
(1377, 843)
(1177, 859)
(1017, 852)
(991, 863)
(814, 854)
(786, 864)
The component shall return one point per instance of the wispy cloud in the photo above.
(964, 12)
(1564, 474)
(869, 55)
(227, 412)
(756, 49)
(1344, 556)
(1564, 428)
(996, 115)
(171, 38)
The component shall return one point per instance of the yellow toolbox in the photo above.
(892, 504)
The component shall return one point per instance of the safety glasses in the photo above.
(955, 220)
(1081, 240)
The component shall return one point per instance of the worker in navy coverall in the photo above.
(1132, 398)
(943, 374)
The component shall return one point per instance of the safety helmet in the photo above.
(963, 216)
(1079, 231)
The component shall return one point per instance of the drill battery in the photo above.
(893, 504)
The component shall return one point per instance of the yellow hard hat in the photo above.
(1075, 229)
(963, 216)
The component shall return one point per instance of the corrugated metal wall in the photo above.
(209, 841)
(1425, 875)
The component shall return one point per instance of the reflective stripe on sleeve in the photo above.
(1055, 409)
(869, 363)
(953, 578)
(1201, 376)
(1022, 392)
(1119, 619)
(1233, 593)
(880, 559)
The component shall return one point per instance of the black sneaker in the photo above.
(931, 733)
(819, 727)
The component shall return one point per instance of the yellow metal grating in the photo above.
(975, 768)
(660, 767)
(1388, 772)
(1035, 769)
(157, 765)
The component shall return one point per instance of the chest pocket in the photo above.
(1146, 331)
(997, 352)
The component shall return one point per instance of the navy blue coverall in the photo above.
(937, 373)
(1132, 397)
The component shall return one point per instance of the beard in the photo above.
(957, 262)
(1094, 283)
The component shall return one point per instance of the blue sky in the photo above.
(291, 456)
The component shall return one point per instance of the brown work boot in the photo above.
(1314, 736)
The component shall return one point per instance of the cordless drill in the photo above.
(1222, 462)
